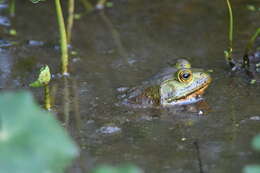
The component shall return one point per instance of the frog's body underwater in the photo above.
(173, 86)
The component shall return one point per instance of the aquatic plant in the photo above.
(43, 81)
(63, 36)
(87, 5)
(253, 168)
(228, 53)
(101, 4)
(11, 7)
(249, 47)
(71, 7)
(31, 139)
(252, 8)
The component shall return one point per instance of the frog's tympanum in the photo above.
(177, 85)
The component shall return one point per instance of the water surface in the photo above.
(125, 45)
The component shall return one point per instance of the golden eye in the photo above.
(184, 75)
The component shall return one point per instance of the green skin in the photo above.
(166, 89)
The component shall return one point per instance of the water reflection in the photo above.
(4, 21)
(115, 35)
(6, 65)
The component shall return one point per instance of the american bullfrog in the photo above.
(176, 85)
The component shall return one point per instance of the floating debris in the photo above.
(109, 129)
(122, 89)
(255, 118)
(35, 43)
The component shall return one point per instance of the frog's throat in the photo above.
(194, 94)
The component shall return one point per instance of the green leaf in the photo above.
(31, 140)
(252, 81)
(256, 142)
(43, 78)
(122, 169)
(251, 169)
(226, 53)
(12, 32)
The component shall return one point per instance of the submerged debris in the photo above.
(35, 43)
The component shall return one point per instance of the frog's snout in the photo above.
(205, 79)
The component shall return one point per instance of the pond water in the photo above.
(123, 46)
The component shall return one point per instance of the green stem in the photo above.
(47, 98)
(71, 7)
(12, 8)
(101, 4)
(248, 47)
(252, 40)
(63, 38)
(88, 6)
(230, 34)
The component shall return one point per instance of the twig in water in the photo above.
(196, 144)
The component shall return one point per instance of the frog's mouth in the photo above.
(192, 97)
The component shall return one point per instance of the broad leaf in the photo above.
(256, 143)
(251, 169)
(31, 140)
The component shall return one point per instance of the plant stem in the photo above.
(248, 47)
(252, 40)
(12, 8)
(47, 98)
(71, 7)
(63, 38)
(88, 6)
(230, 34)
(100, 5)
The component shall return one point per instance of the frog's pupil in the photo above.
(186, 75)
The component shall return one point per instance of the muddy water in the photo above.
(123, 46)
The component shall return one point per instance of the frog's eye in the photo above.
(184, 75)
